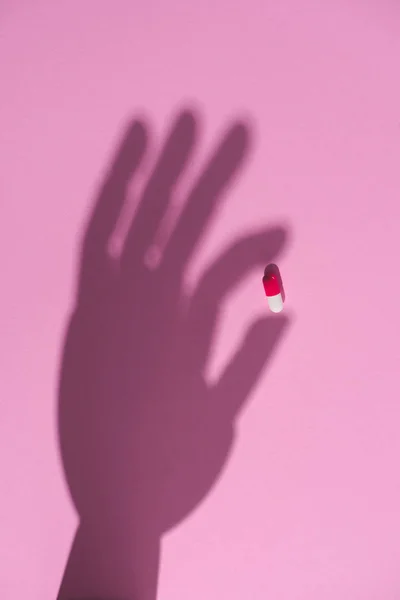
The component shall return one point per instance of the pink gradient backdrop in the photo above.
(308, 506)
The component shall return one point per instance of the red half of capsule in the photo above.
(271, 285)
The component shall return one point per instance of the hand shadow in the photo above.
(143, 435)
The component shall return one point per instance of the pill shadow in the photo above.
(143, 436)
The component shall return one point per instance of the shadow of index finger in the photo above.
(220, 279)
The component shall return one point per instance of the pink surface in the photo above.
(304, 504)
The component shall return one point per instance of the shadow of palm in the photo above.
(143, 435)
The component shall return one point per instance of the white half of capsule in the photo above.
(275, 303)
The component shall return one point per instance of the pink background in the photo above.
(308, 504)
